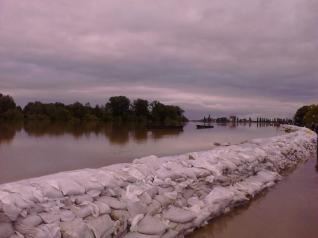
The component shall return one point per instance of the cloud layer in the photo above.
(249, 57)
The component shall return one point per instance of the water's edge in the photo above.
(151, 197)
(286, 210)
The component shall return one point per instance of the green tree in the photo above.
(157, 112)
(6, 103)
(140, 108)
(35, 111)
(78, 110)
(166, 114)
(60, 113)
(8, 109)
(311, 117)
(300, 115)
(118, 107)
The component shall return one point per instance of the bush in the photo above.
(306, 116)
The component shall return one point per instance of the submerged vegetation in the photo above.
(116, 109)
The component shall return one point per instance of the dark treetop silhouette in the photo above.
(116, 109)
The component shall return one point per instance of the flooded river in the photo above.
(40, 149)
(288, 210)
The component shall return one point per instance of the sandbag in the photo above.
(6, 230)
(139, 235)
(103, 207)
(101, 226)
(135, 208)
(150, 225)
(11, 210)
(50, 217)
(47, 231)
(67, 215)
(27, 225)
(113, 202)
(179, 215)
(76, 229)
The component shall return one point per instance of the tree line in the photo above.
(116, 109)
(235, 119)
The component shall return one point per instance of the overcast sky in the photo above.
(246, 57)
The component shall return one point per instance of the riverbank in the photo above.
(181, 192)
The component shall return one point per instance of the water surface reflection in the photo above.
(36, 149)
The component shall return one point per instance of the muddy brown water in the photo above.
(38, 149)
(287, 210)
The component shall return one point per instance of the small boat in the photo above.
(204, 126)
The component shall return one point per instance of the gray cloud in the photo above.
(252, 57)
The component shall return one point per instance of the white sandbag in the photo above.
(16, 236)
(4, 218)
(221, 197)
(121, 215)
(31, 220)
(106, 178)
(139, 235)
(253, 184)
(67, 215)
(113, 202)
(163, 200)
(154, 207)
(135, 173)
(52, 205)
(132, 192)
(145, 198)
(101, 226)
(103, 207)
(47, 190)
(6, 230)
(47, 231)
(65, 184)
(152, 191)
(50, 217)
(170, 234)
(82, 198)
(150, 225)
(84, 178)
(135, 208)
(82, 211)
(27, 225)
(76, 229)
(11, 210)
(178, 215)
(134, 222)
(121, 220)
(69, 187)
(94, 193)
